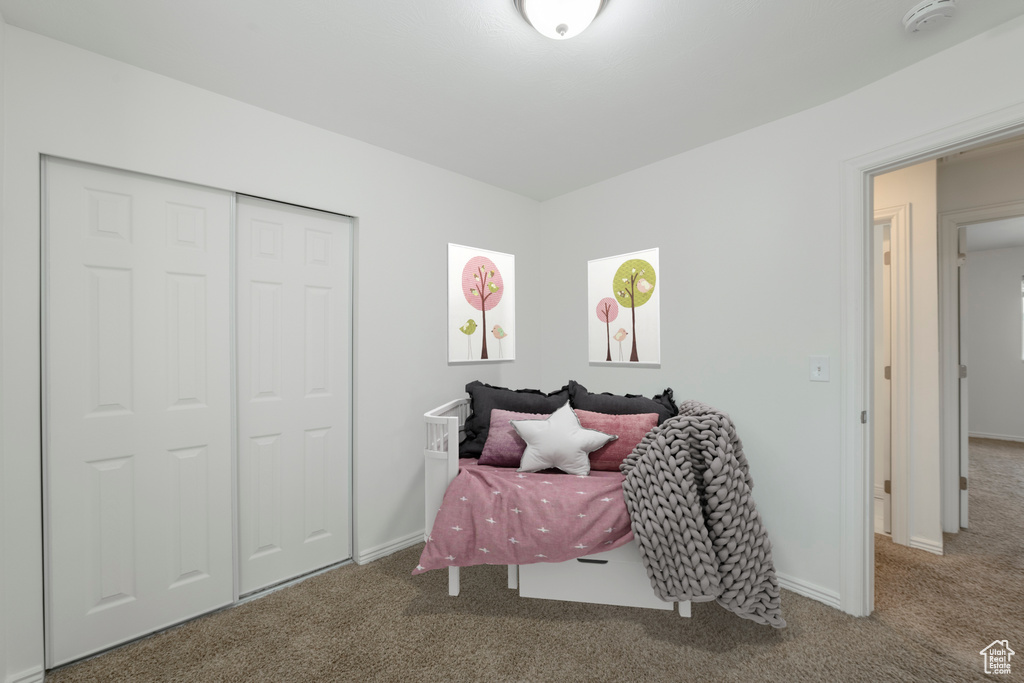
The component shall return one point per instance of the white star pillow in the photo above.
(559, 441)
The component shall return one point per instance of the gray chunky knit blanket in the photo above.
(688, 493)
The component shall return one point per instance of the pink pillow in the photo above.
(504, 447)
(630, 429)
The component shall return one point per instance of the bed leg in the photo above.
(453, 581)
(513, 576)
(684, 608)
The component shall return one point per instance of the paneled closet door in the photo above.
(137, 406)
(294, 379)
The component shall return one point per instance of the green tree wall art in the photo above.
(634, 283)
(625, 288)
(481, 294)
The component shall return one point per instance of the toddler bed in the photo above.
(563, 536)
(677, 477)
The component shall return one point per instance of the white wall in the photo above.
(996, 374)
(982, 178)
(752, 259)
(916, 186)
(67, 102)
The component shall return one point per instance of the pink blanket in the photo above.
(496, 515)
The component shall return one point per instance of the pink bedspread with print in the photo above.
(496, 515)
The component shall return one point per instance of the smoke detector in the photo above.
(928, 14)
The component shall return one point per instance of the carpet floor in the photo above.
(377, 623)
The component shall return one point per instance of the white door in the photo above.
(294, 379)
(964, 428)
(137, 406)
(882, 378)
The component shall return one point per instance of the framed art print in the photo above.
(624, 309)
(481, 305)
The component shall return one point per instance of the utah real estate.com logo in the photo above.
(997, 657)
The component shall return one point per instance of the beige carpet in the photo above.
(378, 623)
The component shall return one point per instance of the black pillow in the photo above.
(483, 398)
(612, 404)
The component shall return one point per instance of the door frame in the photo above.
(950, 223)
(901, 323)
(857, 543)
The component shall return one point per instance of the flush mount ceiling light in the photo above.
(559, 19)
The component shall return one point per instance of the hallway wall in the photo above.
(996, 364)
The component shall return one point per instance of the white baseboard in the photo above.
(809, 590)
(926, 544)
(33, 675)
(389, 548)
(997, 437)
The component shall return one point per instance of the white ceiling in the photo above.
(467, 85)
(1001, 234)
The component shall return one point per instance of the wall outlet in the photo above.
(819, 369)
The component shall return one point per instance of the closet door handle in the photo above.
(586, 560)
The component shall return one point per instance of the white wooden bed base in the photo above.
(443, 430)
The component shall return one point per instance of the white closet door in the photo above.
(137, 400)
(294, 381)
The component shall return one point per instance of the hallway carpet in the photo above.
(377, 623)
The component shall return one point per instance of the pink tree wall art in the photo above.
(483, 287)
(481, 291)
(607, 311)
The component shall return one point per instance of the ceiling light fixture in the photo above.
(559, 19)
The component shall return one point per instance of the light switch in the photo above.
(819, 369)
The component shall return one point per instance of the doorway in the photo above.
(994, 227)
(912, 293)
(857, 472)
(905, 369)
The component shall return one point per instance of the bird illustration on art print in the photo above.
(468, 329)
(620, 336)
(499, 334)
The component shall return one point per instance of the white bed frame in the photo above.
(616, 577)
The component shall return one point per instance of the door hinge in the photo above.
(963, 372)
(887, 260)
(863, 417)
(961, 259)
(963, 483)
(888, 486)
(888, 372)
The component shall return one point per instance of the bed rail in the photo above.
(443, 429)
(441, 423)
